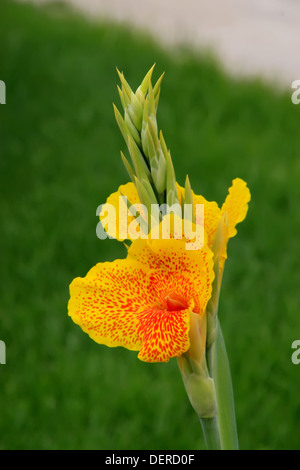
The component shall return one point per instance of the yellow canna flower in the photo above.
(145, 302)
(162, 300)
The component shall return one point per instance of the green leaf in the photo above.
(140, 166)
(143, 88)
(128, 167)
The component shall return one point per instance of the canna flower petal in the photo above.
(187, 274)
(236, 205)
(143, 302)
(104, 303)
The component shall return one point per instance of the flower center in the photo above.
(175, 303)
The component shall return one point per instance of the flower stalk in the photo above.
(211, 433)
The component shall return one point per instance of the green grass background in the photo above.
(59, 160)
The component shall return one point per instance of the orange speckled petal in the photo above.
(164, 334)
(106, 303)
(236, 204)
(171, 256)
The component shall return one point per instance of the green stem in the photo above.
(211, 433)
(220, 371)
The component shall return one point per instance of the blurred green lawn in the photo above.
(60, 159)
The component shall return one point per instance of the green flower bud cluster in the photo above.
(151, 168)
